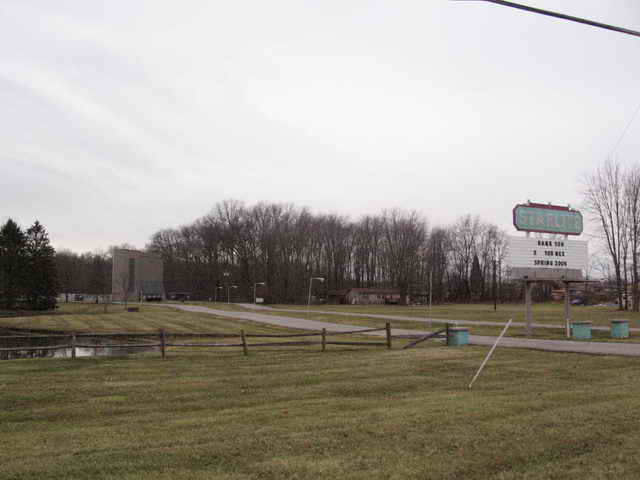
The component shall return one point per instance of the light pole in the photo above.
(320, 279)
(254, 290)
(226, 281)
(229, 287)
(430, 291)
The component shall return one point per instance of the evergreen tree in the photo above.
(40, 279)
(12, 264)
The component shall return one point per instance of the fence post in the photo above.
(73, 346)
(324, 339)
(244, 343)
(162, 343)
(388, 327)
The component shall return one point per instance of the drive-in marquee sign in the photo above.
(555, 258)
(537, 253)
(538, 217)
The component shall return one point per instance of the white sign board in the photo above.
(524, 252)
(259, 300)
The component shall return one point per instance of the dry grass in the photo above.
(549, 313)
(343, 414)
(298, 413)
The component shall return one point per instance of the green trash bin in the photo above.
(458, 336)
(581, 330)
(619, 328)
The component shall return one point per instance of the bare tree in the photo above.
(632, 224)
(603, 197)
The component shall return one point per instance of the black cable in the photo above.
(564, 17)
(626, 129)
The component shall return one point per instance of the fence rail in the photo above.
(163, 342)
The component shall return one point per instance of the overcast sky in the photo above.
(120, 118)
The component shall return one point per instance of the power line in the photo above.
(626, 129)
(563, 16)
(583, 21)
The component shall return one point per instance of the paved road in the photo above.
(601, 348)
(427, 320)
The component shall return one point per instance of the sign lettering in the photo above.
(547, 219)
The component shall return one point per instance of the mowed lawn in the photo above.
(550, 313)
(305, 414)
(300, 413)
(150, 318)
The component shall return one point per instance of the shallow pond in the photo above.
(14, 340)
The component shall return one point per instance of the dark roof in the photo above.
(375, 290)
(346, 291)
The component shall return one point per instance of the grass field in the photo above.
(342, 414)
(550, 313)
(298, 413)
(150, 318)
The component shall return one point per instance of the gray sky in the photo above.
(123, 117)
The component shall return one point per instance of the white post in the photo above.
(491, 351)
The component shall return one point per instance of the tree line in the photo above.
(85, 273)
(28, 274)
(284, 246)
(611, 196)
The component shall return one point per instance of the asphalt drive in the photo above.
(597, 348)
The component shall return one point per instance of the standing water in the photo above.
(16, 340)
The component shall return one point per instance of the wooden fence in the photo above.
(168, 339)
(444, 333)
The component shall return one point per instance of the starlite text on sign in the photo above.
(547, 219)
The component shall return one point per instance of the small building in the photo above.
(137, 276)
(365, 296)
